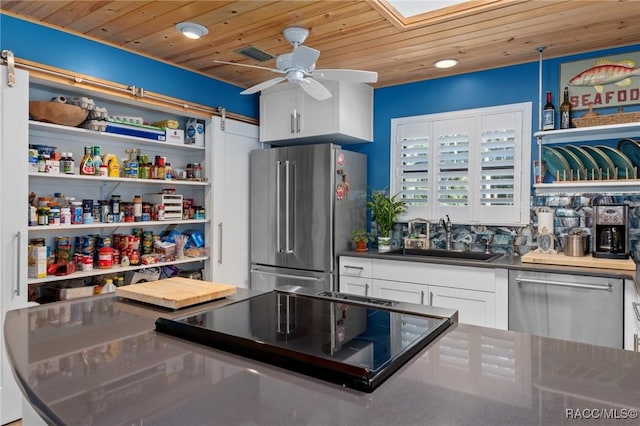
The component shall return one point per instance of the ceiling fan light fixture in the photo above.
(192, 30)
(446, 63)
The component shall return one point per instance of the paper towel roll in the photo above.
(545, 220)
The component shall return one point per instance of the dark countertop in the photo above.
(103, 364)
(504, 262)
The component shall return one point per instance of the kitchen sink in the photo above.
(450, 254)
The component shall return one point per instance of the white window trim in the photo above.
(473, 213)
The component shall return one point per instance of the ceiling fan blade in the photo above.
(304, 57)
(262, 86)
(315, 89)
(251, 66)
(355, 76)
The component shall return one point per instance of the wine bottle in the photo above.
(549, 114)
(565, 111)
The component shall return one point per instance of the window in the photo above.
(472, 165)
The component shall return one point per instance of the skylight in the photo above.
(410, 8)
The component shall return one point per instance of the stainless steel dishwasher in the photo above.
(573, 307)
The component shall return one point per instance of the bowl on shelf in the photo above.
(57, 113)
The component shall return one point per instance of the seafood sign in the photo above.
(608, 82)
(607, 73)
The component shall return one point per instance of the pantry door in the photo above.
(14, 132)
(232, 142)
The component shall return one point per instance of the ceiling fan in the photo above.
(298, 67)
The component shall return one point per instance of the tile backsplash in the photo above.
(569, 212)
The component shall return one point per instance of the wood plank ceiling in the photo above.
(366, 35)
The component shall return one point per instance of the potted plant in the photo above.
(361, 237)
(385, 210)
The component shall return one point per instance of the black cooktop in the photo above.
(356, 342)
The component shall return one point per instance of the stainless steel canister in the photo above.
(576, 244)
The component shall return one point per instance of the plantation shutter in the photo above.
(453, 167)
(473, 165)
(500, 169)
(412, 166)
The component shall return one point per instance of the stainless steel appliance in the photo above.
(305, 202)
(571, 307)
(611, 231)
(349, 340)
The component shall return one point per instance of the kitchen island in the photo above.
(99, 361)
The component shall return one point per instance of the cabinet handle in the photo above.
(18, 264)
(366, 289)
(298, 123)
(636, 342)
(422, 297)
(293, 123)
(608, 287)
(220, 243)
(430, 298)
(278, 246)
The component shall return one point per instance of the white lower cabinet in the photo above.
(474, 307)
(355, 285)
(401, 292)
(478, 294)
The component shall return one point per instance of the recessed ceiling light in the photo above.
(192, 30)
(446, 63)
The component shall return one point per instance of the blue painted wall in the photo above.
(44, 45)
(506, 85)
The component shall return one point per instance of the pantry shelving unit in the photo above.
(74, 139)
(587, 135)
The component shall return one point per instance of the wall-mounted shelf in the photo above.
(581, 187)
(588, 134)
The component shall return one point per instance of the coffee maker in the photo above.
(610, 231)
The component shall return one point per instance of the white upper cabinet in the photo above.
(289, 116)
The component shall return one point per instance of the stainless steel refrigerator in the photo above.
(305, 202)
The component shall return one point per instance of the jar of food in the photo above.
(197, 171)
(105, 258)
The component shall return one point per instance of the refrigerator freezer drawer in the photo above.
(267, 278)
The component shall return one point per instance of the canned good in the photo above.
(87, 262)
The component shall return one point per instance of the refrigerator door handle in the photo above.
(276, 274)
(288, 204)
(278, 246)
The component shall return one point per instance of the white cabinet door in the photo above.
(14, 115)
(474, 307)
(231, 147)
(277, 114)
(355, 285)
(401, 291)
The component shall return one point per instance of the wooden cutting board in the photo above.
(587, 261)
(176, 292)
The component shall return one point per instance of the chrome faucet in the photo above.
(447, 227)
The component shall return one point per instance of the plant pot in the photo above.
(361, 246)
(384, 244)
